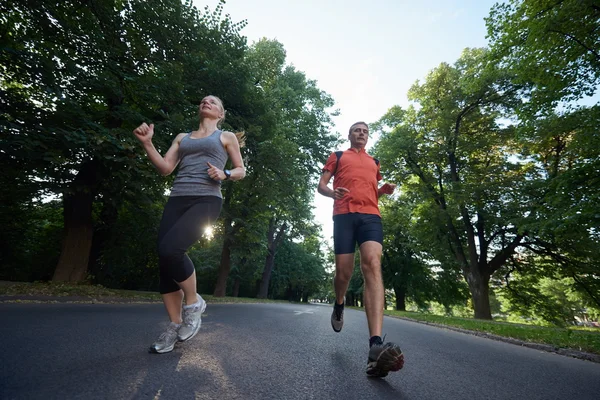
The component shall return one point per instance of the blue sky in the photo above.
(366, 54)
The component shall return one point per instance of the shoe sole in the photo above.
(336, 330)
(389, 360)
(199, 324)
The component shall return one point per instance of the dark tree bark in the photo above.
(400, 292)
(225, 266)
(273, 241)
(77, 212)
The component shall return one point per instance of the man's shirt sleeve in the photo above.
(330, 163)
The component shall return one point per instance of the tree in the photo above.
(128, 258)
(551, 46)
(299, 270)
(407, 265)
(564, 150)
(78, 76)
(290, 134)
(533, 288)
(451, 152)
(402, 271)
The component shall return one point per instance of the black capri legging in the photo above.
(183, 222)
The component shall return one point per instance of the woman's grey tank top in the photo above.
(192, 178)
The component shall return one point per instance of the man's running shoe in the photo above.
(166, 341)
(192, 319)
(337, 317)
(384, 358)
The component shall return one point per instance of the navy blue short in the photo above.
(353, 228)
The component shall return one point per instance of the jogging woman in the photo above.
(194, 204)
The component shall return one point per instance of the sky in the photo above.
(365, 54)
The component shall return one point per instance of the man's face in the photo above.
(359, 135)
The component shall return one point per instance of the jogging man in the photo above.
(356, 220)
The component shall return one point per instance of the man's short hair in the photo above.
(357, 123)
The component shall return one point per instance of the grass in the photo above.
(587, 340)
(562, 338)
(98, 293)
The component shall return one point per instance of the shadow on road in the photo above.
(342, 361)
(385, 389)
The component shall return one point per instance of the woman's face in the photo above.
(211, 107)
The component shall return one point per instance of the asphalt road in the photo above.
(263, 351)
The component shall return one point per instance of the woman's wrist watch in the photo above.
(227, 174)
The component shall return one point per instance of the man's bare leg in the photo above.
(370, 264)
(383, 357)
(344, 266)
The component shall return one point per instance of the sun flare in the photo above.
(208, 232)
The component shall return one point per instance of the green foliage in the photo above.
(480, 189)
(452, 158)
(76, 79)
(206, 256)
(287, 137)
(551, 46)
(552, 50)
(356, 286)
(534, 289)
(407, 266)
(31, 237)
(128, 260)
(299, 272)
(564, 147)
(88, 75)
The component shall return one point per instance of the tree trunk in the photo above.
(263, 291)
(225, 266)
(102, 231)
(400, 298)
(236, 287)
(273, 243)
(77, 213)
(480, 294)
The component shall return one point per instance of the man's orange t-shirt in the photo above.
(359, 173)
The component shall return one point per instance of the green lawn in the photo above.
(587, 340)
(101, 294)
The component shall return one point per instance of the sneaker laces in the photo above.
(171, 331)
(380, 342)
(339, 311)
(188, 314)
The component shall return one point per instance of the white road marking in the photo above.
(304, 312)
